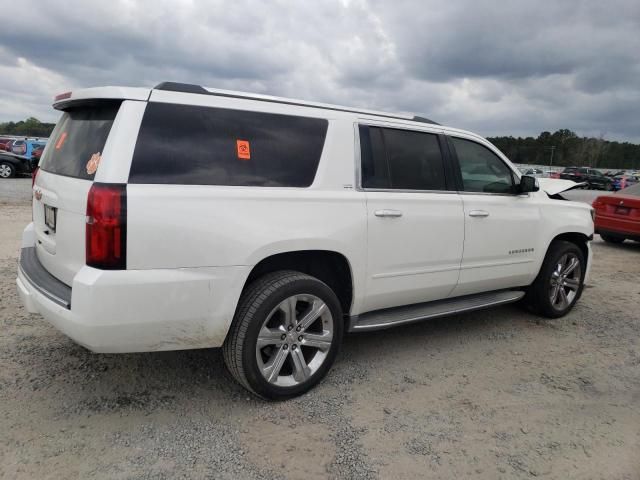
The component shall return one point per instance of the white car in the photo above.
(182, 217)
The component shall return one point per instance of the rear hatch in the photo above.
(67, 168)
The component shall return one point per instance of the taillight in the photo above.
(106, 231)
(34, 174)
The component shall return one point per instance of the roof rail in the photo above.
(198, 89)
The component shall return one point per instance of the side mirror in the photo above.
(528, 184)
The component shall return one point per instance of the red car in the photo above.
(618, 215)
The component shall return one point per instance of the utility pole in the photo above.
(551, 159)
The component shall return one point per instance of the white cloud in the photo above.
(493, 67)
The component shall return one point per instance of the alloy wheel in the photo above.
(5, 171)
(565, 281)
(294, 340)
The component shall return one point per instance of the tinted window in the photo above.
(190, 145)
(401, 159)
(481, 169)
(79, 135)
(375, 169)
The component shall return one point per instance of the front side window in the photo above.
(193, 145)
(481, 169)
(401, 159)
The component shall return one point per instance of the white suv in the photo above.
(183, 217)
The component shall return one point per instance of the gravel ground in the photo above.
(15, 190)
(493, 394)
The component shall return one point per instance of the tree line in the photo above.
(31, 127)
(565, 148)
(561, 148)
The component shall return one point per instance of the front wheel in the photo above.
(285, 335)
(559, 284)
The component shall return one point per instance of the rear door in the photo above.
(67, 169)
(415, 220)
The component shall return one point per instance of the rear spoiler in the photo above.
(66, 99)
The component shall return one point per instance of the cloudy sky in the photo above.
(496, 67)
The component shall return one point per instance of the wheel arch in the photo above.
(577, 238)
(331, 267)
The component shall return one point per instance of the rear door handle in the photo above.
(387, 213)
(478, 213)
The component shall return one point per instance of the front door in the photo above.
(415, 221)
(500, 225)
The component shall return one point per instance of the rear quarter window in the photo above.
(191, 145)
(80, 134)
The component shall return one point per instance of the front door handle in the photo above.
(478, 213)
(387, 213)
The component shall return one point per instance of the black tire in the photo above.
(538, 294)
(7, 167)
(258, 300)
(611, 238)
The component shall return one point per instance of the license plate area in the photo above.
(50, 217)
(623, 210)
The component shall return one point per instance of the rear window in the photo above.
(79, 138)
(189, 145)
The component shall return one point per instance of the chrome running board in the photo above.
(391, 317)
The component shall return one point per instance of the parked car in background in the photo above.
(26, 147)
(12, 165)
(37, 153)
(3, 143)
(623, 181)
(617, 216)
(593, 178)
(274, 238)
(532, 172)
(8, 145)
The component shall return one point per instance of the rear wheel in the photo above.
(611, 238)
(285, 335)
(559, 284)
(7, 170)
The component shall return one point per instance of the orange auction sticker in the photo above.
(61, 140)
(244, 152)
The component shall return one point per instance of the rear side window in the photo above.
(401, 159)
(79, 138)
(189, 145)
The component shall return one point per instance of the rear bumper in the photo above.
(617, 226)
(142, 310)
